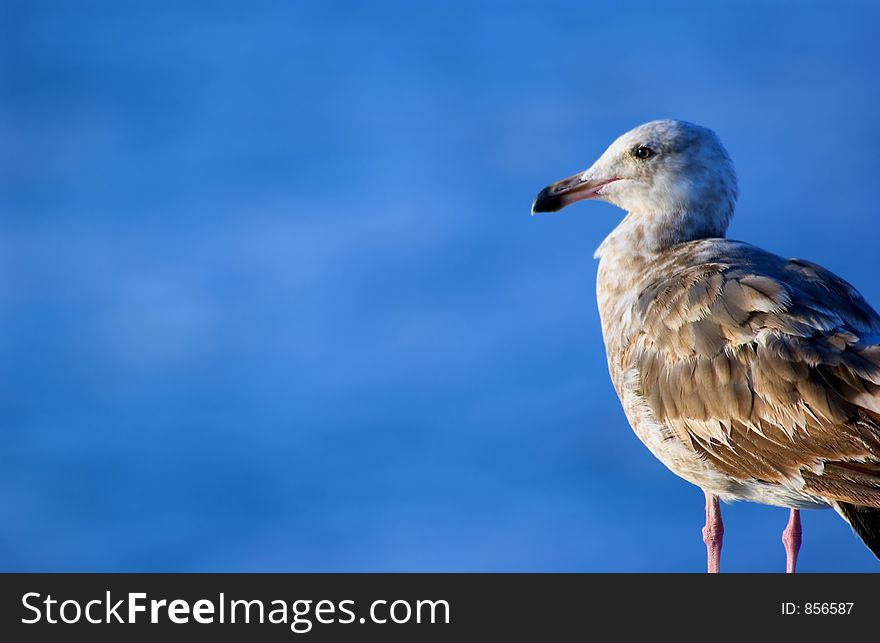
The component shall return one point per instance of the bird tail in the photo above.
(865, 521)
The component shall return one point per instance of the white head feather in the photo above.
(674, 178)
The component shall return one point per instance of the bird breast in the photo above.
(623, 279)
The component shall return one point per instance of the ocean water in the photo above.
(271, 298)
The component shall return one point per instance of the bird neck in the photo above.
(638, 244)
(641, 236)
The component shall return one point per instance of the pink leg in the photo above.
(713, 532)
(791, 539)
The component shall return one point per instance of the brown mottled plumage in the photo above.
(760, 372)
(752, 376)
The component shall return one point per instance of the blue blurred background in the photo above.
(271, 298)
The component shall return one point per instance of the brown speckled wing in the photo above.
(768, 368)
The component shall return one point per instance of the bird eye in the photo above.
(643, 152)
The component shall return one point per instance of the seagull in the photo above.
(751, 376)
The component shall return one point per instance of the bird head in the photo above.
(662, 169)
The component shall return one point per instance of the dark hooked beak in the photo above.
(565, 192)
